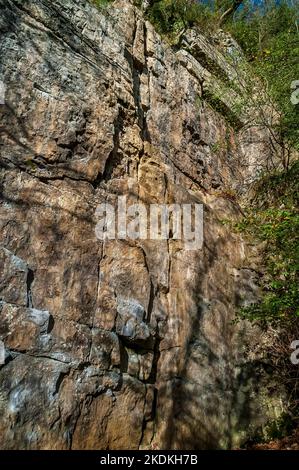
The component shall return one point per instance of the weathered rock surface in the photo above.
(127, 343)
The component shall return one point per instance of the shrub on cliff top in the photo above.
(268, 32)
(174, 15)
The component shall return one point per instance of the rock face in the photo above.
(122, 343)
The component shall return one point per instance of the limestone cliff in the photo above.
(98, 106)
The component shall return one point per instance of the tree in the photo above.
(268, 34)
(232, 7)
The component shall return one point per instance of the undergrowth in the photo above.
(274, 220)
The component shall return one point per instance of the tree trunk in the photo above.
(230, 11)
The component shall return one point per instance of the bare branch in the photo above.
(234, 6)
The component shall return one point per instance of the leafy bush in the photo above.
(268, 32)
(275, 221)
(172, 16)
(101, 3)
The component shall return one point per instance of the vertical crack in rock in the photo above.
(137, 70)
(153, 416)
(154, 372)
(115, 155)
(152, 381)
(124, 359)
(151, 301)
(98, 286)
(29, 282)
(170, 234)
(144, 422)
(146, 55)
(152, 293)
(59, 381)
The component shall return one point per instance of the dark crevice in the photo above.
(152, 289)
(39, 165)
(205, 60)
(47, 179)
(143, 429)
(153, 375)
(29, 281)
(59, 381)
(140, 346)
(51, 323)
(45, 356)
(137, 71)
(115, 155)
(154, 404)
(151, 301)
(124, 359)
(9, 358)
(83, 365)
(151, 419)
(219, 106)
(191, 178)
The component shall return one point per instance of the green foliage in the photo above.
(267, 31)
(101, 3)
(216, 147)
(172, 16)
(279, 428)
(275, 221)
(275, 429)
(269, 36)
